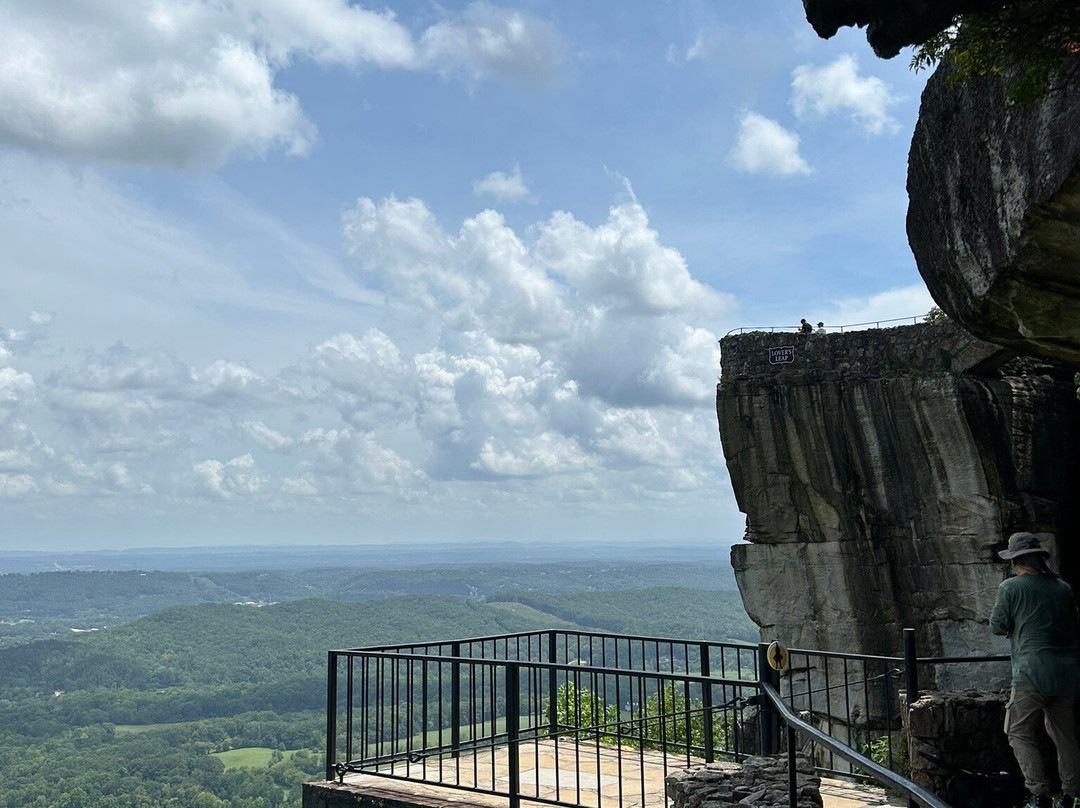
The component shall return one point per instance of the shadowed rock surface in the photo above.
(878, 473)
(994, 213)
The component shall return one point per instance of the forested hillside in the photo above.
(657, 612)
(55, 603)
(136, 713)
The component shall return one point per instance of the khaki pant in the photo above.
(1022, 716)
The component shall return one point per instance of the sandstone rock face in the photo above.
(994, 213)
(878, 472)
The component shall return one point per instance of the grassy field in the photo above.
(252, 757)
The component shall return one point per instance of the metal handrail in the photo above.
(877, 771)
(915, 320)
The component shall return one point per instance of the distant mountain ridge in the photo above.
(293, 557)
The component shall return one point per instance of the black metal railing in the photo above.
(578, 718)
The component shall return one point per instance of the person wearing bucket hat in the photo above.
(1036, 611)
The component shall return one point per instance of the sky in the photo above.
(318, 271)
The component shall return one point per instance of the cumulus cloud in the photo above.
(568, 362)
(622, 263)
(188, 84)
(234, 478)
(838, 88)
(763, 146)
(501, 186)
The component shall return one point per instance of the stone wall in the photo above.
(760, 781)
(951, 734)
(879, 471)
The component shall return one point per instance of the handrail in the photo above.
(915, 320)
(879, 772)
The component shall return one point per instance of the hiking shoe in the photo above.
(1067, 801)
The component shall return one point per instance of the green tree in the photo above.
(1034, 43)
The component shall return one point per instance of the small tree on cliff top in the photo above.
(1034, 42)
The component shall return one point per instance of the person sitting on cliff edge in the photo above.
(1036, 611)
(820, 328)
(805, 327)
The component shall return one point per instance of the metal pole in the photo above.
(769, 721)
(513, 718)
(911, 679)
(792, 782)
(706, 705)
(455, 700)
(331, 713)
(553, 685)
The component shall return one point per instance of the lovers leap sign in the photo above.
(780, 356)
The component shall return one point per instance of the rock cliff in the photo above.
(994, 212)
(878, 472)
(891, 25)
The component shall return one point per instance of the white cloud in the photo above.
(622, 263)
(838, 88)
(502, 186)
(236, 477)
(13, 486)
(763, 146)
(14, 385)
(346, 461)
(911, 302)
(489, 41)
(266, 437)
(188, 84)
(542, 455)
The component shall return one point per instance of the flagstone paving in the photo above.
(586, 774)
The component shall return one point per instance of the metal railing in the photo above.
(551, 716)
(914, 320)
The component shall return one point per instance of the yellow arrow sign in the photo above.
(777, 656)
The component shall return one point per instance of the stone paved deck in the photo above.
(580, 773)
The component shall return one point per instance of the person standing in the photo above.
(1036, 611)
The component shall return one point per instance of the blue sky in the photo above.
(317, 271)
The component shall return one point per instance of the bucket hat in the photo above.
(1022, 544)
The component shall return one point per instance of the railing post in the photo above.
(792, 781)
(553, 685)
(513, 719)
(768, 720)
(911, 679)
(455, 700)
(911, 666)
(706, 705)
(331, 714)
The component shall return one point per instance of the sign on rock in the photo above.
(782, 355)
(777, 656)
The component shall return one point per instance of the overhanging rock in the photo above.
(994, 213)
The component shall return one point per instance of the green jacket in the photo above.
(1039, 617)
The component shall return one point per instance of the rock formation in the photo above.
(878, 472)
(890, 24)
(994, 213)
